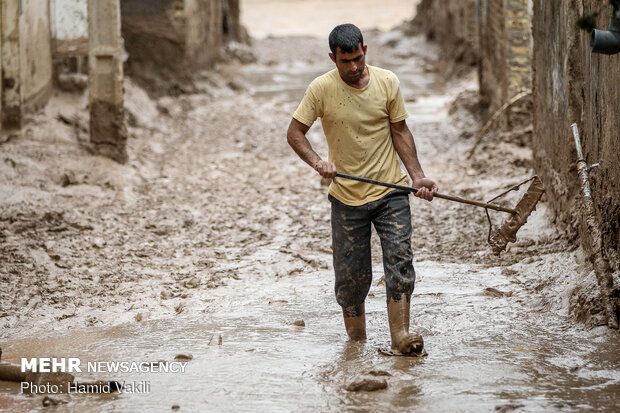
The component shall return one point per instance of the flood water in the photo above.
(484, 352)
(487, 351)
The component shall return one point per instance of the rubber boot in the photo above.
(356, 326)
(402, 340)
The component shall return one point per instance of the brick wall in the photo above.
(519, 50)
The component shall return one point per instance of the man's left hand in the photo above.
(426, 188)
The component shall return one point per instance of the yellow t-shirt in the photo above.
(356, 123)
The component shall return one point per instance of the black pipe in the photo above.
(607, 41)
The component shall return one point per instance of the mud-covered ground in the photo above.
(86, 241)
(214, 211)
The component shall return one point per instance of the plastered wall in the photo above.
(36, 52)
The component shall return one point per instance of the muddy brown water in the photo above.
(490, 346)
(484, 352)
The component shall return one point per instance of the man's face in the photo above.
(350, 65)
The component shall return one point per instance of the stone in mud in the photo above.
(52, 401)
(379, 373)
(237, 85)
(494, 292)
(239, 52)
(509, 407)
(179, 308)
(139, 317)
(175, 407)
(194, 282)
(299, 323)
(183, 357)
(366, 383)
(99, 243)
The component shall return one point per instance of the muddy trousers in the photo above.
(351, 230)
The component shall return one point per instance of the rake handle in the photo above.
(442, 196)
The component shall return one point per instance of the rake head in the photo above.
(507, 232)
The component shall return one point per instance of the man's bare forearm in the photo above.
(300, 144)
(296, 137)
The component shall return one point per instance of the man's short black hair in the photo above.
(346, 37)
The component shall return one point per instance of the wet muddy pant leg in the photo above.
(392, 220)
(351, 228)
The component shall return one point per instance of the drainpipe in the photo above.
(600, 264)
(607, 41)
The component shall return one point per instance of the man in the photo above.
(363, 115)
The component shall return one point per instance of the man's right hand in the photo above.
(325, 169)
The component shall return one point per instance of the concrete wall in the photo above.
(573, 85)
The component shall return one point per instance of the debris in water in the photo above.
(278, 302)
(139, 317)
(215, 340)
(183, 357)
(175, 407)
(300, 323)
